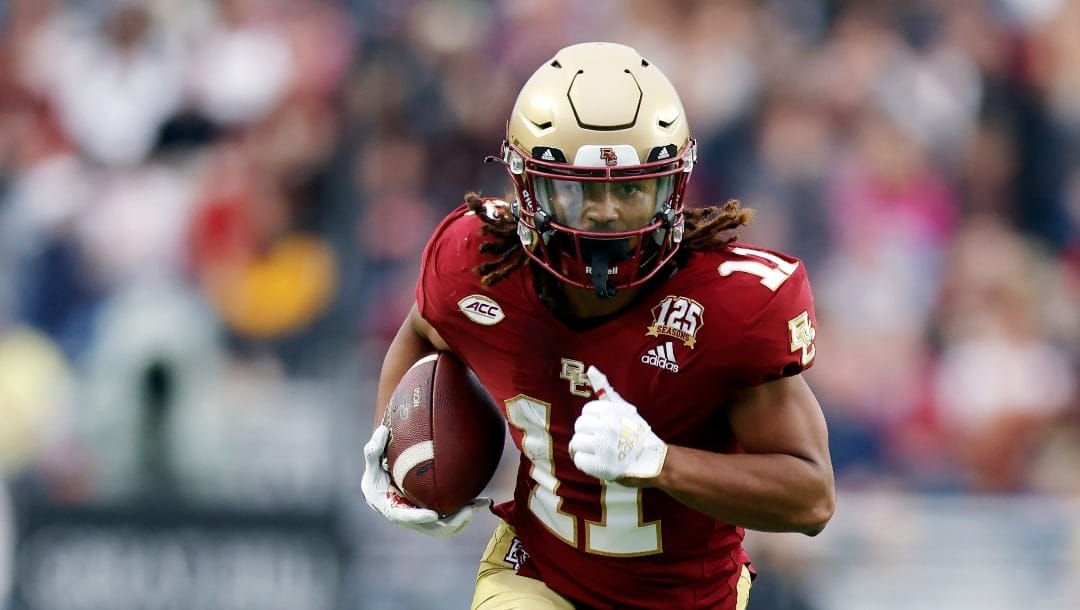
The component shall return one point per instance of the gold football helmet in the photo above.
(600, 153)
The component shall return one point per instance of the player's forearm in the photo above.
(771, 492)
(408, 346)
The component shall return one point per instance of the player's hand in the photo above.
(383, 496)
(611, 440)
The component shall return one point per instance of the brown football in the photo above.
(446, 434)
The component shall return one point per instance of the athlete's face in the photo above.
(603, 207)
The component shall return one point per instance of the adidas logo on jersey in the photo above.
(663, 357)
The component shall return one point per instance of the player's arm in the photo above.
(415, 339)
(784, 481)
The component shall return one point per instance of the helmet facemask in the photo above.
(558, 231)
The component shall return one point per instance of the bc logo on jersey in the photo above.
(802, 336)
(574, 372)
(677, 317)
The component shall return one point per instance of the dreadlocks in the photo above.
(705, 229)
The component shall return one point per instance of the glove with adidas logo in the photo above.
(611, 440)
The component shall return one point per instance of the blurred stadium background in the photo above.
(211, 213)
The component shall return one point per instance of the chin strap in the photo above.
(600, 272)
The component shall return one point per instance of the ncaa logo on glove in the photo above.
(481, 309)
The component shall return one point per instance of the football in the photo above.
(446, 434)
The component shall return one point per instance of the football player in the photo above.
(648, 364)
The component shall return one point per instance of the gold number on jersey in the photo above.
(772, 276)
(533, 417)
(620, 531)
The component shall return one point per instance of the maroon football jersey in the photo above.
(726, 320)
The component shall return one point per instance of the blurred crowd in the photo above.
(203, 196)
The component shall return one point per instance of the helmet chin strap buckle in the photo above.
(599, 272)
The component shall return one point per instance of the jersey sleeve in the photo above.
(446, 266)
(778, 340)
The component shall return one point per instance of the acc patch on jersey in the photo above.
(481, 309)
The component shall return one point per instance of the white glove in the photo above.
(611, 440)
(388, 501)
